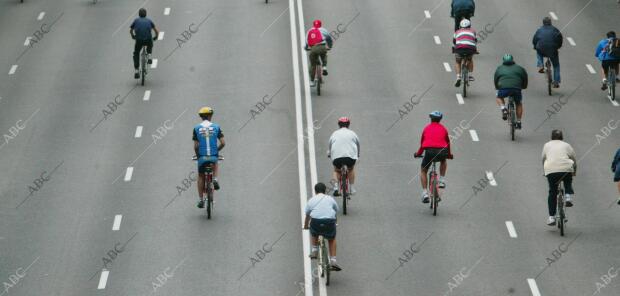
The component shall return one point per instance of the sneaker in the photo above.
(314, 254)
(518, 125)
(442, 184)
(568, 200)
(541, 70)
(313, 83)
(556, 85)
(457, 83)
(551, 221)
(201, 204)
(325, 71)
(334, 266)
(336, 193)
(471, 78)
(604, 86)
(216, 185)
(425, 198)
(619, 197)
(136, 74)
(504, 114)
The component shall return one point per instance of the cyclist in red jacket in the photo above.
(435, 143)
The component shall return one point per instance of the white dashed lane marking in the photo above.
(147, 95)
(167, 11)
(491, 178)
(27, 42)
(138, 131)
(459, 98)
(160, 36)
(474, 135)
(41, 15)
(571, 41)
(511, 229)
(13, 69)
(590, 69)
(553, 16)
(533, 287)
(437, 40)
(128, 174)
(154, 65)
(103, 280)
(427, 14)
(447, 67)
(117, 222)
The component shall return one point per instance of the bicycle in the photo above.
(465, 73)
(318, 76)
(548, 74)
(433, 181)
(512, 116)
(344, 187)
(324, 262)
(209, 187)
(143, 63)
(560, 215)
(611, 83)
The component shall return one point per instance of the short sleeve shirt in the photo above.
(143, 26)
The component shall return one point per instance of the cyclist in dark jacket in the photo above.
(461, 9)
(615, 168)
(547, 40)
(510, 79)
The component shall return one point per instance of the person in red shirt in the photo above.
(435, 144)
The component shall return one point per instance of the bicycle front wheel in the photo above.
(611, 89)
(549, 79)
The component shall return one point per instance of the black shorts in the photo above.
(610, 63)
(461, 53)
(339, 162)
(434, 155)
(324, 227)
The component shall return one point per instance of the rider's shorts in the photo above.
(203, 161)
(514, 92)
(433, 155)
(324, 227)
(339, 162)
(610, 63)
(462, 53)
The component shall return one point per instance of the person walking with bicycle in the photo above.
(559, 165)
(140, 30)
(435, 144)
(464, 48)
(615, 168)
(461, 9)
(343, 149)
(318, 41)
(609, 57)
(206, 136)
(546, 41)
(321, 211)
(509, 80)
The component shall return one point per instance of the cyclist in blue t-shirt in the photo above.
(206, 136)
(140, 30)
(607, 61)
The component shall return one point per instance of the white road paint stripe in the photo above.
(447, 66)
(533, 287)
(571, 41)
(147, 95)
(427, 14)
(167, 11)
(459, 98)
(138, 131)
(160, 36)
(13, 69)
(474, 135)
(511, 229)
(103, 280)
(301, 162)
(41, 15)
(613, 102)
(437, 40)
(553, 16)
(491, 178)
(27, 42)
(154, 65)
(590, 69)
(117, 222)
(128, 174)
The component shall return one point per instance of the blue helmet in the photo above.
(436, 114)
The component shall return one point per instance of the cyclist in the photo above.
(318, 41)
(615, 168)
(510, 79)
(140, 30)
(464, 48)
(435, 144)
(607, 60)
(547, 40)
(559, 165)
(461, 9)
(206, 136)
(343, 149)
(321, 212)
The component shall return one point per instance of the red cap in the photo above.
(317, 23)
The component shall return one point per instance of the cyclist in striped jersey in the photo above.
(464, 48)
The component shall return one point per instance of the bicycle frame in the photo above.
(344, 187)
(548, 74)
(433, 184)
(560, 214)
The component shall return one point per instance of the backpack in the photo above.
(314, 37)
(613, 48)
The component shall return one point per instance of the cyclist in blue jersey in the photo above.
(206, 136)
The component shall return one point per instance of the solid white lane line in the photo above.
(138, 131)
(491, 178)
(41, 15)
(447, 66)
(103, 280)
(167, 11)
(147, 95)
(437, 40)
(553, 16)
(427, 14)
(613, 102)
(161, 35)
(117, 222)
(590, 69)
(474, 135)
(571, 41)
(511, 229)
(459, 98)
(533, 287)
(301, 161)
(128, 174)
(154, 65)
(27, 42)
(13, 69)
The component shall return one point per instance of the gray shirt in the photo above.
(322, 206)
(344, 143)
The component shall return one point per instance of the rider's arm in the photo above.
(572, 155)
(614, 162)
(329, 146)
(357, 142)
(559, 38)
(307, 221)
(222, 144)
(155, 29)
(535, 39)
(496, 78)
(131, 32)
(524, 77)
(196, 143)
(421, 150)
(598, 50)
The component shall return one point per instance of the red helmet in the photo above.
(317, 23)
(344, 120)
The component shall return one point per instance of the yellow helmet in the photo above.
(205, 111)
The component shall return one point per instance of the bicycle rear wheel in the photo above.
(143, 65)
(548, 73)
(513, 120)
(611, 89)
(344, 189)
(465, 78)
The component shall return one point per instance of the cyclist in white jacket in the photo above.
(344, 149)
